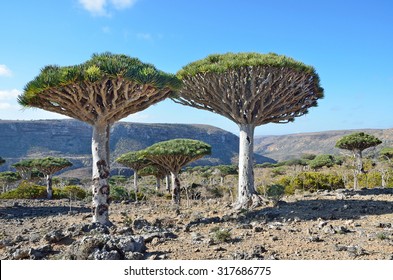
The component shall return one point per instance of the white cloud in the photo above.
(123, 4)
(5, 71)
(9, 94)
(5, 106)
(100, 7)
(96, 7)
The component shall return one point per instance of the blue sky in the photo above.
(349, 43)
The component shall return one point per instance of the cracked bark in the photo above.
(100, 186)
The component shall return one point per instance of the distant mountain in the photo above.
(72, 139)
(285, 147)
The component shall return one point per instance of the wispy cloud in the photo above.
(8, 99)
(5, 71)
(144, 36)
(123, 4)
(101, 7)
(9, 94)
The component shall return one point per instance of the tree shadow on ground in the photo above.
(326, 209)
(22, 212)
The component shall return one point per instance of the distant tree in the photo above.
(101, 91)
(308, 156)
(7, 178)
(173, 155)
(158, 171)
(117, 179)
(357, 143)
(251, 89)
(386, 153)
(323, 160)
(385, 164)
(136, 162)
(2, 161)
(49, 166)
(25, 168)
(225, 170)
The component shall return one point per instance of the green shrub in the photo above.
(25, 190)
(74, 191)
(221, 235)
(118, 193)
(141, 196)
(311, 181)
(275, 192)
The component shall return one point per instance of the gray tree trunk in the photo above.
(246, 188)
(136, 185)
(158, 183)
(49, 189)
(175, 188)
(358, 168)
(167, 183)
(100, 186)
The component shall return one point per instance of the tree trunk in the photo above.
(358, 168)
(246, 188)
(100, 187)
(136, 190)
(383, 178)
(175, 188)
(167, 183)
(49, 190)
(158, 183)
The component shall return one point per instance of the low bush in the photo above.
(118, 193)
(26, 190)
(75, 192)
(311, 181)
(275, 193)
(220, 235)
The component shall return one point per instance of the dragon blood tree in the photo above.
(251, 89)
(173, 155)
(49, 166)
(356, 143)
(154, 170)
(101, 91)
(136, 162)
(24, 168)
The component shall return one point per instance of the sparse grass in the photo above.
(221, 235)
(382, 236)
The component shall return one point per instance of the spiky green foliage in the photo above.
(99, 67)
(9, 177)
(153, 169)
(107, 87)
(134, 160)
(250, 88)
(226, 170)
(358, 141)
(176, 153)
(323, 160)
(50, 165)
(23, 164)
(386, 153)
(219, 63)
(188, 147)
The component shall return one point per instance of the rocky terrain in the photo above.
(343, 224)
(284, 147)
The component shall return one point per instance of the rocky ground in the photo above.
(343, 225)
